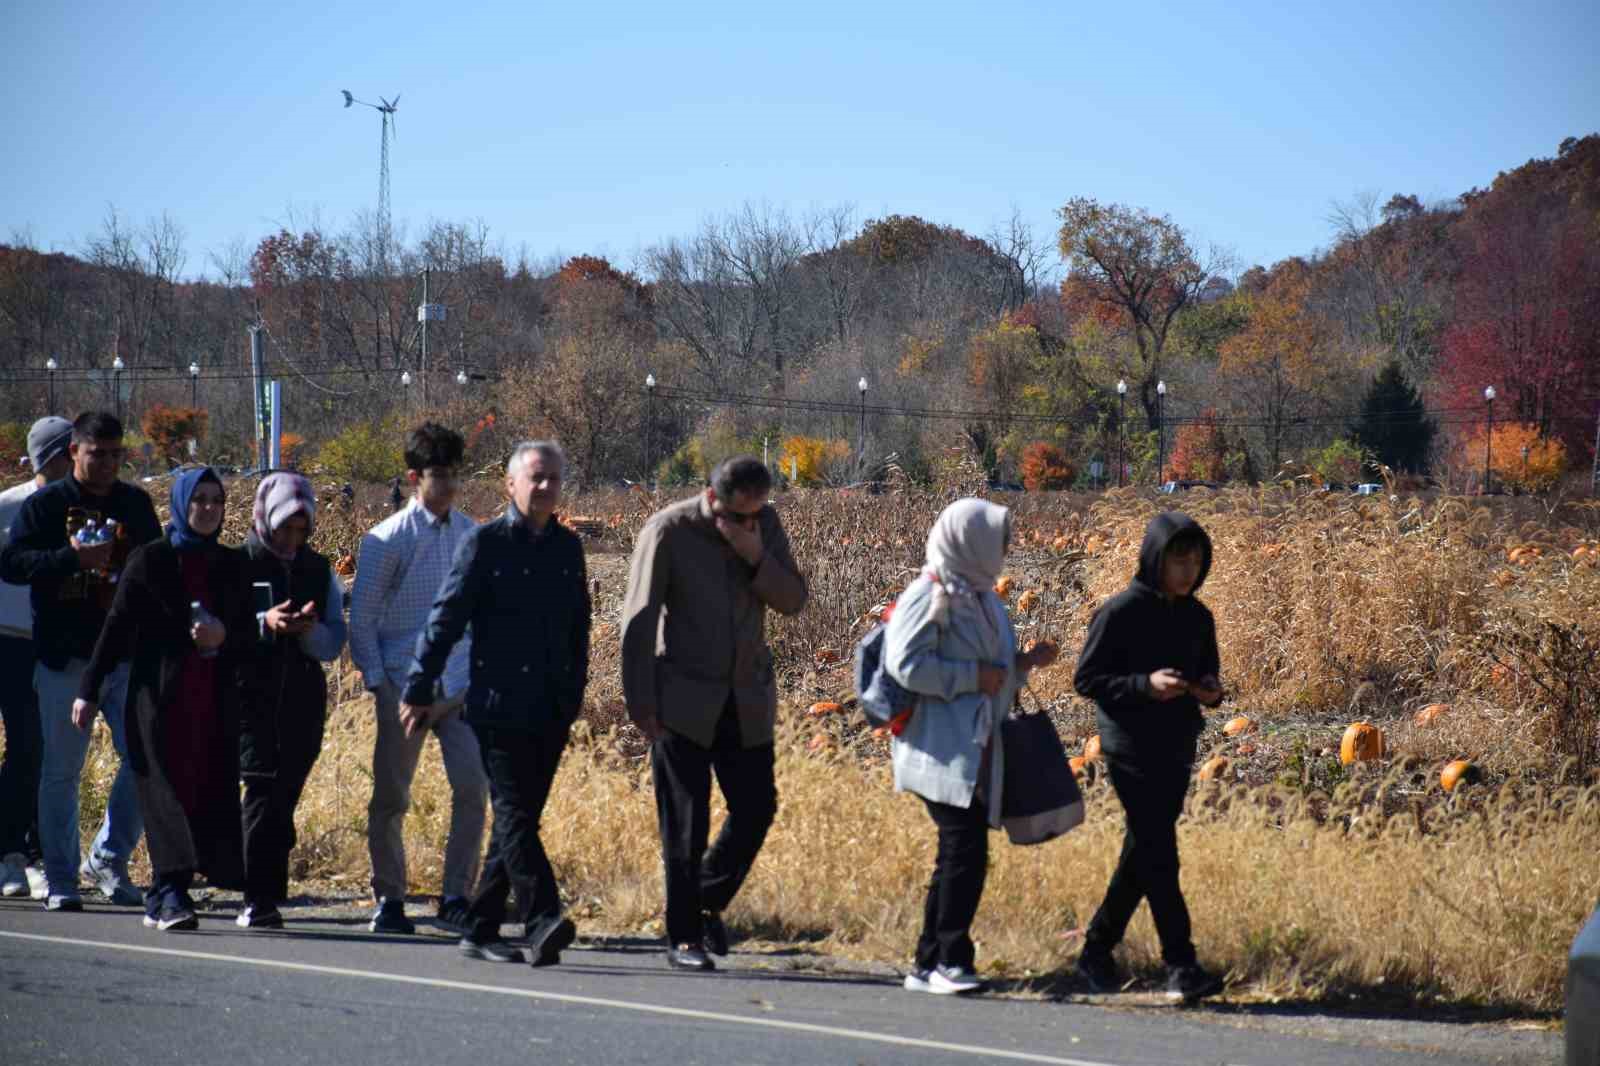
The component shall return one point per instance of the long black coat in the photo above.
(149, 624)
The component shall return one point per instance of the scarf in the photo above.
(280, 497)
(184, 486)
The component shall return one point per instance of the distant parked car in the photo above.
(1368, 488)
(1188, 483)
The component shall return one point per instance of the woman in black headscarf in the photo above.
(182, 614)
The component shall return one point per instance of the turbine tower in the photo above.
(386, 109)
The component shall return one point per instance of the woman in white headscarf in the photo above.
(950, 642)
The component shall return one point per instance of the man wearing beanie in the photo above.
(20, 872)
(72, 584)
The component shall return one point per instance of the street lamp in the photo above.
(649, 427)
(1122, 460)
(861, 387)
(1524, 468)
(461, 378)
(1488, 438)
(194, 384)
(51, 366)
(1161, 432)
(117, 366)
(405, 383)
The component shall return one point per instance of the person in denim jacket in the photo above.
(950, 642)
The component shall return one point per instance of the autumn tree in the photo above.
(1137, 269)
(1201, 450)
(170, 429)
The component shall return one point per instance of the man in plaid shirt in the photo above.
(402, 563)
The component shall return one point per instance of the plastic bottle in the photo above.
(108, 535)
(198, 615)
(90, 533)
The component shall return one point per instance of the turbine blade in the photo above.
(348, 99)
(396, 101)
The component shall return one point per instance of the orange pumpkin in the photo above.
(1077, 762)
(1238, 725)
(1060, 544)
(1214, 768)
(1091, 748)
(1026, 601)
(346, 565)
(1002, 588)
(825, 707)
(1363, 742)
(819, 742)
(1456, 772)
(1430, 714)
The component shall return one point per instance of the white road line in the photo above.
(564, 997)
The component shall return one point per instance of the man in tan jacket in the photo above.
(698, 679)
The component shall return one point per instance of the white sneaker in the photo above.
(917, 981)
(63, 901)
(953, 981)
(38, 883)
(14, 877)
(112, 883)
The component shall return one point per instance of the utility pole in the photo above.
(425, 274)
(1594, 471)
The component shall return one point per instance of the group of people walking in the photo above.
(207, 663)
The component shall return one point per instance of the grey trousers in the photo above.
(394, 764)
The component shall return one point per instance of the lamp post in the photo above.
(1122, 459)
(1488, 438)
(405, 383)
(461, 378)
(1524, 468)
(50, 367)
(194, 384)
(1161, 432)
(649, 427)
(861, 387)
(117, 366)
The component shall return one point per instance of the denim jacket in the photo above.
(526, 596)
(936, 756)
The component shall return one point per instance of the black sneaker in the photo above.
(690, 957)
(453, 914)
(1191, 983)
(714, 933)
(1099, 973)
(546, 943)
(259, 916)
(390, 917)
(171, 918)
(489, 950)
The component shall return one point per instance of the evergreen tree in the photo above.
(1393, 427)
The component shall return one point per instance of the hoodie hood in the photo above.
(1157, 535)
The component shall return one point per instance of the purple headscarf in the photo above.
(280, 497)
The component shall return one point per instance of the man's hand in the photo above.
(286, 620)
(744, 540)
(651, 727)
(83, 712)
(990, 678)
(1167, 685)
(1043, 653)
(1208, 690)
(93, 556)
(208, 635)
(415, 717)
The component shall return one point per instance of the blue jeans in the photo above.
(61, 770)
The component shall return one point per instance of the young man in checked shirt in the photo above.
(402, 563)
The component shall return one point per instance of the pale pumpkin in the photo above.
(1091, 748)
(1362, 742)
(1238, 725)
(1002, 588)
(1026, 601)
(1430, 714)
(1214, 768)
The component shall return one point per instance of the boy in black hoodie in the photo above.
(1149, 661)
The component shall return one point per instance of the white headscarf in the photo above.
(968, 541)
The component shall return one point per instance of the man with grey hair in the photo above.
(521, 583)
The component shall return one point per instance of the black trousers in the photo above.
(699, 879)
(959, 871)
(1152, 796)
(268, 810)
(520, 766)
(19, 772)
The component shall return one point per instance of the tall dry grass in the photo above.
(1304, 877)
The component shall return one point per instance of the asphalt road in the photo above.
(99, 988)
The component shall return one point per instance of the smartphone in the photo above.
(263, 594)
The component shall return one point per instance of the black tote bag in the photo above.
(1039, 795)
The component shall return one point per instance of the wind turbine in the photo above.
(386, 108)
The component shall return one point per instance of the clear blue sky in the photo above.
(604, 127)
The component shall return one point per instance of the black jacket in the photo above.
(527, 599)
(284, 697)
(149, 625)
(70, 606)
(1137, 632)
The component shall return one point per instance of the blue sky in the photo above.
(604, 127)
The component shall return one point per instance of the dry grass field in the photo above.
(1306, 878)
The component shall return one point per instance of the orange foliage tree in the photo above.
(1045, 466)
(1200, 450)
(1545, 463)
(169, 429)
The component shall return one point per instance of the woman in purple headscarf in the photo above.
(182, 614)
(301, 627)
